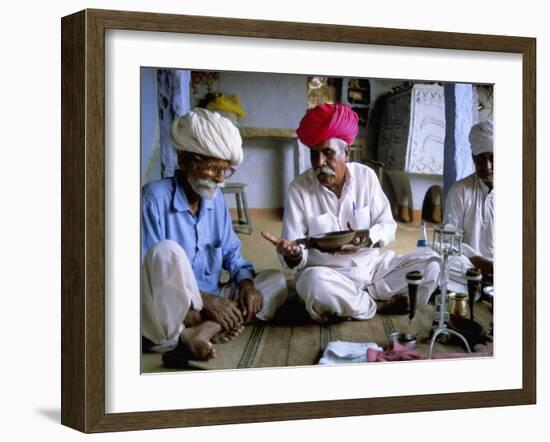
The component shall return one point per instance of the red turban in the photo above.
(328, 121)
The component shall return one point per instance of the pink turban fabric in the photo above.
(327, 121)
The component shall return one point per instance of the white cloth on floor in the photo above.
(343, 352)
(169, 290)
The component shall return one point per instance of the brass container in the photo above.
(458, 305)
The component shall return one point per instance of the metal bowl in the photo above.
(331, 241)
(407, 340)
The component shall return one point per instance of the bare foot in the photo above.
(227, 335)
(197, 340)
(194, 344)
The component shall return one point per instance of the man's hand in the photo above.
(357, 243)
(223, 311)
(284, 247)
(290, 250)
(250, 300)
(485, 265)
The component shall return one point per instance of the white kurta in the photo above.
(312, 209)
(470, 207)
(348, 284)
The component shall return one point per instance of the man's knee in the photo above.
(275, 277)
(168, 275)
(321, 286)
(308, 281)
(272, 285)
(324, 291)
(167, 251)
(432, 272)
(165, 247)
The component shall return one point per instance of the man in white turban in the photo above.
(187, 239)
(469, 204)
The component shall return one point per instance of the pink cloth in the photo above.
(327, 121)
(399, 352)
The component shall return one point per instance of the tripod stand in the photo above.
(447, 242)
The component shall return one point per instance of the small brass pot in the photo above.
(458, 305)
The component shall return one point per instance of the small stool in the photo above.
(242, 223)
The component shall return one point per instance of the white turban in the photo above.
(481, 137)
(207, 133)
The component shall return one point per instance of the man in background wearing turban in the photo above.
(187, 238)
(469, 204)
(334, 195)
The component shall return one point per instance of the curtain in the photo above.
(173, 100)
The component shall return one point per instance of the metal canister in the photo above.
(458, 305)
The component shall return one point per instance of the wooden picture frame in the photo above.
(83, 220)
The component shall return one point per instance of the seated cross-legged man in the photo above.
(187, 239)
(356, 281)
(470, 204)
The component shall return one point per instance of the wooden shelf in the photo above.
(267, 132)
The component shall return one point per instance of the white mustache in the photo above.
(209, 184)
(204, 187)
(324, 170)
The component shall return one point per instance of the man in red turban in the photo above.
(355, 281)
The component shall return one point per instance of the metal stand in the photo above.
(447, 243)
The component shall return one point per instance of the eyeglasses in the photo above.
(211, 170)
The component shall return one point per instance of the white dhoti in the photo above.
(349, 293)
(169, 289)
(271, 284)
(326, 290)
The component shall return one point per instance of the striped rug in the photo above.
(298, 341)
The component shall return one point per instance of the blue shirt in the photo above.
(207, 238)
